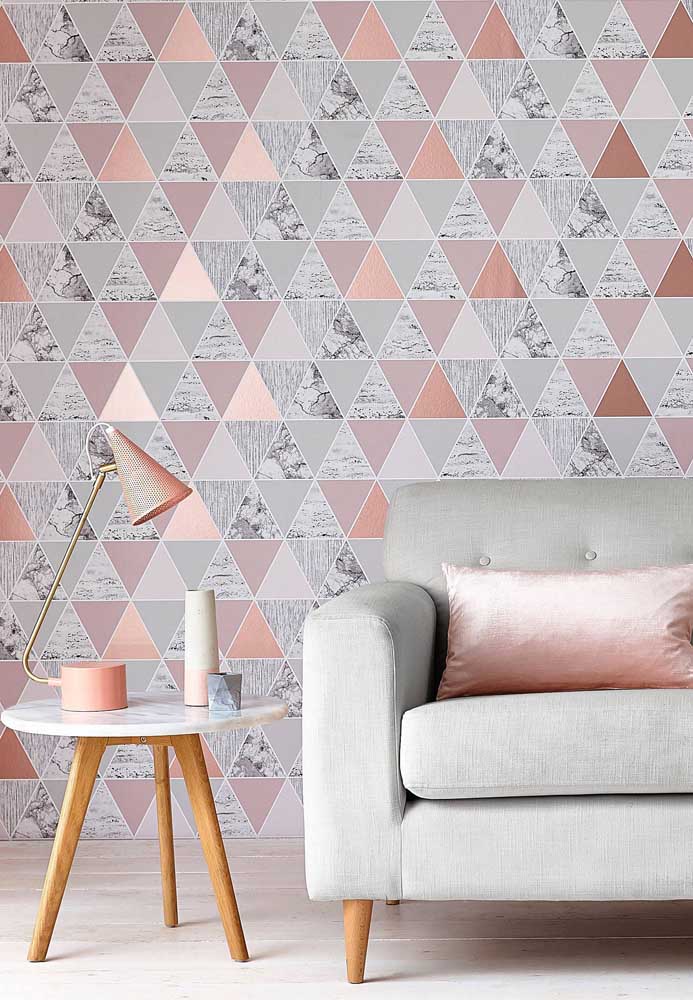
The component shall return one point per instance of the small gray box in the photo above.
(224, 692)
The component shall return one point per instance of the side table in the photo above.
(160, 720)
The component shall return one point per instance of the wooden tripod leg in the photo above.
(191, 759)
(165, 821)
(357, 925)
(85, 765)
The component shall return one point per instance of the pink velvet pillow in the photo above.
(514, 631)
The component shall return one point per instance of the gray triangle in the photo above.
(528, 258)
(622, 436)
(561, 435)
(159, 379)
(157, 140)
(677, 77)
(217, 21)
(32, 22)
(344, 379)
(587, 18)
(64, 81)
(652, 377)
(33, 142)
(126, 200)
(528, 138)
(311, 79)
(187, 80)
(280, 21)
(250, 199)
(374, 318)
(65, 201)
(280, 139)
(466, 139)
(66, 320)
(192, 561)
(496, 78)
(96, 261)
(94, 21)
(314, 438)
(436, 198)
(284, 498)
(677, 313)
(559, 196)
(402, 18)
(530, 377)
(405, 258)
(161, 619)
(620, 196)
(437, 438)
(526, 20)
(36, 381)
(590, 258)
(372, 79)
(341, 140)
(560, 317)
(651, 137)
(189, 320)
(312, 199)
(81, 556)
(281, 258)
(557, 77)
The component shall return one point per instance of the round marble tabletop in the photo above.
(155, 713)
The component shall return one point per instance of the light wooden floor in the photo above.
(110, 943)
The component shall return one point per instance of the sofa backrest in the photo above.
(533, 524)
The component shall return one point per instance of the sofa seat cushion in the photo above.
(562, 743)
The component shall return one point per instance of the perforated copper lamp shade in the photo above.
(148, 488)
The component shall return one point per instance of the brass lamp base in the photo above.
(92, 687)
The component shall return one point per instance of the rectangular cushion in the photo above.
(564, 743)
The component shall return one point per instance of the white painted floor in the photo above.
(110, 944)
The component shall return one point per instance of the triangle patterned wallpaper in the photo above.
(304, 252)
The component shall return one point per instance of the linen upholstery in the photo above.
(367, 659)
(528, 524)
(566, 743)
(582, 847)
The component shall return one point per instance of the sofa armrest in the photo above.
(368, 658)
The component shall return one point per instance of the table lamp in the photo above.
(148, 490)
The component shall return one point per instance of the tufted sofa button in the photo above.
(590, 555)
(485, 561)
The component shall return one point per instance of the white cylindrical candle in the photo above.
(201, 644)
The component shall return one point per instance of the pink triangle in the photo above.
(230, 615)
(621, 317)
(126, 161)
(154, 23)
(497, 199)
(678, 195)
(619, 77)
(186, 43)
(249, 80)
(97, 379)
(249, 160)
(158, 261)
(188, 200)
(189, 282)
(132, 795)
(376, 438)
(251, 320)
(465, 19)
(404, 140)
(467, 258)
(126, 80)
(254, 557)
(650, 19)
(434, 79)
(12, 439)
(14, 527)
(95, 141)
(652, 257)
(589, 138)
(341, 18)
(128, 400)
(437, 318)
(499, 435)
(346, 499)
(343, 259)
(131, 640)
(11, 199)
(130, 560)
(128, 320)
(36, 462)
(34, 223)
(591, 376)
(99, 619)
(221, 379)
(257, 795)
(373, 199)
(190, 439)
(218, 139)
(13, 680)
(252, 400)
(191, 520)
(406, 379)
(679, 434)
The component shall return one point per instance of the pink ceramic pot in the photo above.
(92, 687)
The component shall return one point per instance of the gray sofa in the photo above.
(585, 795)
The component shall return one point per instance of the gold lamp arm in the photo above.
(98, 483)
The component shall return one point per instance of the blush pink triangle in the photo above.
(373, 199)
(95, 141)
(343, 259)
(652, 257)
(678, 195)
(158, 261)
(188, 200)
(590, 139)
(218, 139)
(437, 318)
(341, 19)
(467, 258)
(376, 438)
(619, 77)
(499, 437)
(251, 320)
(99, 619)
(434, 79)
(591, 376)
(404, 140)
(497, 199)
(190, 439)
(650, 19)
(97, 379)
(621, 317)
(249, 80)
(346, 499)
(11, 199)
(406, 379)
(679, 434)
(130, 560)
(125, 81)
(128, 320)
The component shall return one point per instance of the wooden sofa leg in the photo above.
(392, 902)
(357, 924)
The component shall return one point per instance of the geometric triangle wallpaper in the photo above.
(303, 253)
